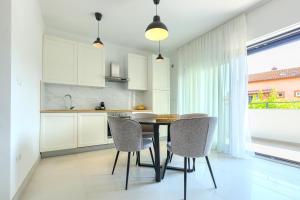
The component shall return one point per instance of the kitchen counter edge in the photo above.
(92, 111)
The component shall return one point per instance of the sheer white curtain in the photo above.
(212, 75)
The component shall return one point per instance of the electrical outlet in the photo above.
(19, 83)
(19, 157)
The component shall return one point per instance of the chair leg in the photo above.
(171, 157)
(116, 159)
(185, 174)
(152, 158)
(194, 164)
(189, 164)
(127, 174)
(166, 164)
(137, 158)
(211, 172)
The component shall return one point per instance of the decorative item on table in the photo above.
(140, 107)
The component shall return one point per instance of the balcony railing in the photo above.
(275, 105)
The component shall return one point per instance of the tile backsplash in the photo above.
(114, 95)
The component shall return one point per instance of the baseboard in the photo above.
(21, 189)
(75, 151)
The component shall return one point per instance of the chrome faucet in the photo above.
(68, 102)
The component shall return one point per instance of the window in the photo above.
(297, 93)
(281, 94)
(274, 72)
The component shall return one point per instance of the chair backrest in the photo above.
(192, 137)
(193, 115)
(143, 115)
(126, 133)
(145, 127)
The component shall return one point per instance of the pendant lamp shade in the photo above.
(98, 43)
(156, 30)
(159, 58)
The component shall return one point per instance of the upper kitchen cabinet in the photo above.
(161, 101)
(59, 61)
(137, 72)
(91, 66)
(159, 73)
(69, 62)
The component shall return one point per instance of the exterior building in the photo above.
(286, 82)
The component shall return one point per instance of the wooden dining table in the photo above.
(156, 123)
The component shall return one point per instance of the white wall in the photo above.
(5, 99)
(26, 37)
(275, 124)
(271, 17)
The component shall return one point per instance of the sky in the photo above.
(282, 57)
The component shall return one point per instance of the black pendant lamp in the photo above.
(159, 57)
(98, 43)
(156, 31)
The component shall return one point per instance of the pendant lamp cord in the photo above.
(159, 47)
(98, 28)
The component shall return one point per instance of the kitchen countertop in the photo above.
(90, 111)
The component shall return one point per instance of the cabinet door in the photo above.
(58, 131)
(161, 101)
(92, 129)
(160, 74)
(59, 61)
(91, 66)
(137, 72)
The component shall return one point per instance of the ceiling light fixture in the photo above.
(98, 43)
(159, 57)
(156, 30)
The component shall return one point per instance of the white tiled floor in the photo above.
(88, 176)
(284, 150)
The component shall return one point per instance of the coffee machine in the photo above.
(101, 106)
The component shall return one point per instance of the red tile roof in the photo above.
(275, 75)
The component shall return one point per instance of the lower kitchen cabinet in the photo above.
(92, 129)
(58, 131)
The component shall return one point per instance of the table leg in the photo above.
(169, 137)
(157, 153)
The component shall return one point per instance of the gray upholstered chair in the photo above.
(191, 138)
(147, 129)
(127, 136)
(191, 116)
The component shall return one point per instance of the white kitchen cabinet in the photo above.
(160, 74)
(58, 131)
(158, 95)
(161, 101)
(137, 72)
(59, 60)
(91, 66)
(92, 129)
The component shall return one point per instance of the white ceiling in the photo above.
(124, 21)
